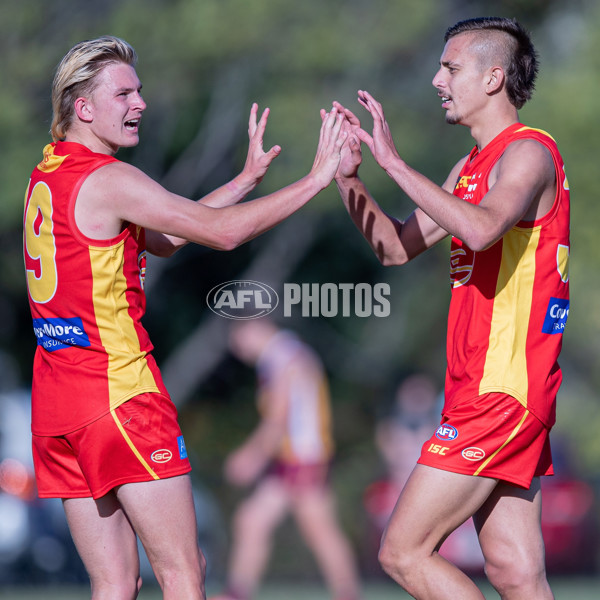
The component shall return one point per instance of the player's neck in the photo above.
(86, 137)
(486, 129)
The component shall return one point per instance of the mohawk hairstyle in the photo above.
(522, 67)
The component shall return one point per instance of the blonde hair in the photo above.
(76, 73)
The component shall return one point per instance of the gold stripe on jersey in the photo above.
(525, 128)
(505, 366)
(126, 360)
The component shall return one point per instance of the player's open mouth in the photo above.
(445, 101)
(132, 125)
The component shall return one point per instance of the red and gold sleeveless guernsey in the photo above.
(86, 298)
(510, 303)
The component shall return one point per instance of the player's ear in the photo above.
(83, 109)
(495, 80)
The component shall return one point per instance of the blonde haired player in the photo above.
(105, 432)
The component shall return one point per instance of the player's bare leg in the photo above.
(107, 546)
(162, 513)
(253, 527)
(509, 526)
(314, 509)
(432, 504)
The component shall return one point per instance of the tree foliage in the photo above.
(202, 64)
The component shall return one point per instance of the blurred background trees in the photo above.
(202, 64)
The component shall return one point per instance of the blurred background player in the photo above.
(399, 437)
(415, 414)
(287, 457)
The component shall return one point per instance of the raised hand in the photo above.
(351, 153)
(331, 139)
(257, 160)
(380, 143)
(243, 466)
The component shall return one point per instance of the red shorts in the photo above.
(138, 441)
(492, 436)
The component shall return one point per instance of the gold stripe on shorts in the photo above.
(510, 437)
(132, 446)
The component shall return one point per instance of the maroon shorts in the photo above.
(300, 475)
(138, 441)
(492, 436)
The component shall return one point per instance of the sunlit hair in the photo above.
(521, 58)
(76, 75)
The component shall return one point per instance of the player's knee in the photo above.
(393, 560)
(183, 577)
(506, 573)
(243, 520)
(250, 522)
(181, 570)
(125, 588)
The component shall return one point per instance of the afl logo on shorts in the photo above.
(473, 453)
(446, 433)
(161, 456)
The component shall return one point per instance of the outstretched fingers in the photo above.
(331, 139)
(350, 116)
(381, 142)
(252, 120)
(370, 103)
(331, 130)
(257, 160)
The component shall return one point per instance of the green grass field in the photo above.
(564, 589)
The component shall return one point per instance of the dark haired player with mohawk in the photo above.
(506, 206)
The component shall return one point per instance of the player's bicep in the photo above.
(520, 181)
(126, 193)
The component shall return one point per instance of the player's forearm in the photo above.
(381, 231)
(239, 224)
(232, 192)
(161, 244)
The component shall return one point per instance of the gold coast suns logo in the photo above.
(462, 260)
(467, 185)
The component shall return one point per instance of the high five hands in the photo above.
(331, 139)
(339, 149)
(380, 143)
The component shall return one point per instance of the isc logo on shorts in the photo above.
(473, 453)
(161, 456)
(446, 433)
